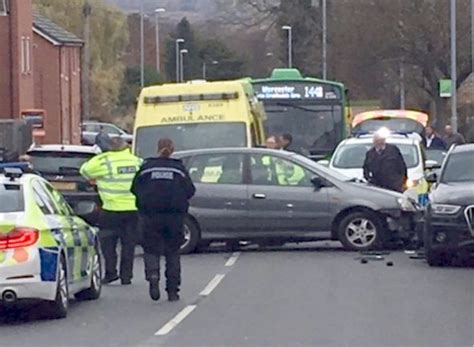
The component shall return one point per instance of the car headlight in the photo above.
(406, 205)
(445, 209)
(411, 183)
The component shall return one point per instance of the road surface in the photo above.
(315, 295)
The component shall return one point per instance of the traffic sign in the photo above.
(445, 90)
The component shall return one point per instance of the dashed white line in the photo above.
(173, 323)
(232, 260)
(212, 285)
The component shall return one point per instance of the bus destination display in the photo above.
(296, 91)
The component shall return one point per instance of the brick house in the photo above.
(40, 69)
(57, 79)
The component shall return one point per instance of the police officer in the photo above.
(384, 165)
(113, 172)
(163, 188)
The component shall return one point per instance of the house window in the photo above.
(23, 54)
(28, 55)
(3, 7)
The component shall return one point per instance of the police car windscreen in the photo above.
(190, 136)
(11, 198)
(459, 168)
(63, 163)
(353, 156)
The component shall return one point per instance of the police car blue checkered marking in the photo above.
(49, 264)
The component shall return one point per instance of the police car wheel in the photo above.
(360, 231)
(57, 309)
(191, 236)
(95, 289)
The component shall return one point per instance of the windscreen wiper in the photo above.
(284, 104)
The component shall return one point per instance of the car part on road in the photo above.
(361, 231)
(389, 263)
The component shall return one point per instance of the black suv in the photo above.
(449, 220)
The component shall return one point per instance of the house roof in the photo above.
(53, 32)
(466, 91)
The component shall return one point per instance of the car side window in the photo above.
(43, 200)
(217, 169)
(63, 207)
(111, 130)
(269, 170)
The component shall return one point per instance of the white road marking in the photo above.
(173, 323)
(212, 285)
(232, 260)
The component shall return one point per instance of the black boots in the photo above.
(154, 289)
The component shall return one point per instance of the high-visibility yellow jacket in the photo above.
(113, 173)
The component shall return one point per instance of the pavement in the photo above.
(311, 295)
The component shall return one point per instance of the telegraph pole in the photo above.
(454, 99)
(86, 61)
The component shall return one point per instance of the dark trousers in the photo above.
(117, 226)
(163, 235)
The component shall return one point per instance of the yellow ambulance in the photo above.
(198, 115)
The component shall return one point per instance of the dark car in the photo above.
(263, 195)
(449, 219)
(60, 165)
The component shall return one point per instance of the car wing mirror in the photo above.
(432, 164)
(323, 162)
(432, 177)
(317, 182)
(84, 208)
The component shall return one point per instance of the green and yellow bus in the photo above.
(313, 111)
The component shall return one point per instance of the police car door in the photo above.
(220, 203)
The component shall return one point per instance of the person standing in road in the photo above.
(163, 189)
(384, 165)
(286, 142)
(432, 140)
(113, 173)
(102, 139)
(452, 138)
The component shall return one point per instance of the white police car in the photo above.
(47, 252)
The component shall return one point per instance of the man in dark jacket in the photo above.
(163, 189)
(384, 165)
(432, 140)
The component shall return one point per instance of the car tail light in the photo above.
(19, 237)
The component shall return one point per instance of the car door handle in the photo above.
(259, 196)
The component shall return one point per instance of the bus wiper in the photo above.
(295, 106)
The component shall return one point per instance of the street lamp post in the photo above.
(324, 39)
(181, 62)
(454, 101)
(142, 45)
(157, 37)
(178, 42)
(290, 44)
(204, 68)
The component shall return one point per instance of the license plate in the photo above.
(64, 185)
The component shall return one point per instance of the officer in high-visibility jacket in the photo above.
(113, 173)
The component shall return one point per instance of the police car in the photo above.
(47, 252)
(348, 159)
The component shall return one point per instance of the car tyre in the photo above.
(361, 231)
(95, 289)
(57, 309)
(191, 236)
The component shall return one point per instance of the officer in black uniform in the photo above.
(163, 189)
